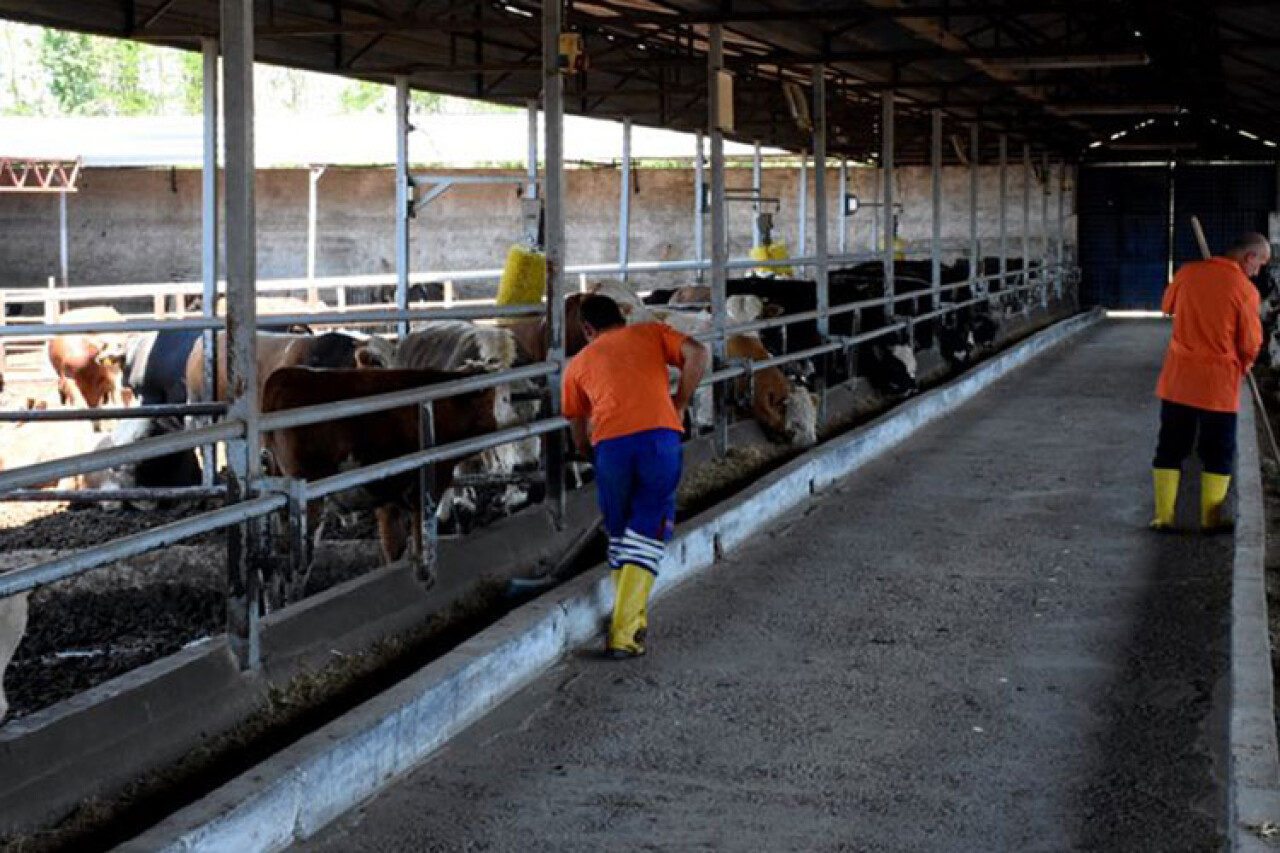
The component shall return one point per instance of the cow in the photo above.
(324, 449)
(13, 624)
(276, 350)
(89, 365)
(785, 412)
(457, 345)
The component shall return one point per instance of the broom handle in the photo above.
(1253, 383)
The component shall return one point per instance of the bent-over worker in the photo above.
(617, 390)
(1216, 337)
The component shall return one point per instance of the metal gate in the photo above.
(1124, 235)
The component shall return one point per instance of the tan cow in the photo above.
(89, 365)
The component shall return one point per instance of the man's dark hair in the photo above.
(601, 312)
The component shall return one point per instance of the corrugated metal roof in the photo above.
(1057, 73)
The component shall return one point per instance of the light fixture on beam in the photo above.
(1070, 61)
(1116, 109)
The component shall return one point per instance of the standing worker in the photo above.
(617, 389)
(1216, 336)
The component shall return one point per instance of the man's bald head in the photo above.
(1252, 251)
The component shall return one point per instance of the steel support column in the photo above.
(1062, 219)
(1004, 203)
(820, 221)
(886, 160)
(1027, 177)
(243, 593)
(624, 211)
(699, 205)
(404, 199)
(975, 160)
(802, 206)
(209, 234)
(531, 160)
(935, 244)
(553, 185)
(820, 194)
(715, 63)
(842, 240)
(757, 189)
(313, 192)
(1044, 231)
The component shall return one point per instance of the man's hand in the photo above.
(696, 358)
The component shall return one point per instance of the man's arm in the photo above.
(1169, 302)
(580, 429)
(1248, 334)
(695, 358)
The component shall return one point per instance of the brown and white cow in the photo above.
(321, 450)
(89, 365)
(276, 350)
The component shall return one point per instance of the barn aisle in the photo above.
(973, 644)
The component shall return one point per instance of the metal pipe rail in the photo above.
(404, 464)
(42, 574)
(318, 319)
(147, 448)
(102, 495)
(154, 411)
(306, 415)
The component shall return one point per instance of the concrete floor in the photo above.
(972, 645)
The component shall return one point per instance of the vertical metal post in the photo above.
(553, 185)
(699, 206)
(886, 159)
(936, 243)
(1004, 201)
(624, 213)
(209, 236)
(843, 238)
(757, 189)
(1044, 232)
(243, 594)
(313, 294)
(404, 198)
(715, 62)
(820, 220)
(63, 273)
(428, 526)
(975, 160)
(1062, 219)
(1026, 217)
(531, 164)
(802, 207)
(820, 195)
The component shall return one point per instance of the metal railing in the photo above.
(294, 495)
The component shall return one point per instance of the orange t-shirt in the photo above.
(1216, 335)
(620, 381)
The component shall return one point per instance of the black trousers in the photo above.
(1179, 426)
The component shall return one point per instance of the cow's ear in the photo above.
(772, 310)
(365, 359)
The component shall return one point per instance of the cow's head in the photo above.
(894, 369)
(801, 418)
(375, 351)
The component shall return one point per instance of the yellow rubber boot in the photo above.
(1166, 486)
(630, 612)
(1213, 499)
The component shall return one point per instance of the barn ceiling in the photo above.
(1084, 79)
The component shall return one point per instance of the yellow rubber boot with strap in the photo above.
(1213, 501)
(1165, 481)
(630, 612)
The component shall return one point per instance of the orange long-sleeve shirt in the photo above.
(1216, 335)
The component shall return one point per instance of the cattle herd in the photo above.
(297, 367)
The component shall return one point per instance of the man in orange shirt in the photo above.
(617, 389)
(1216, 336)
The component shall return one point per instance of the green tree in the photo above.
(360, 96)
(128, 94)
(72, 71)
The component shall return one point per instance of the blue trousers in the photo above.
(636, 480)
(1213, 434)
